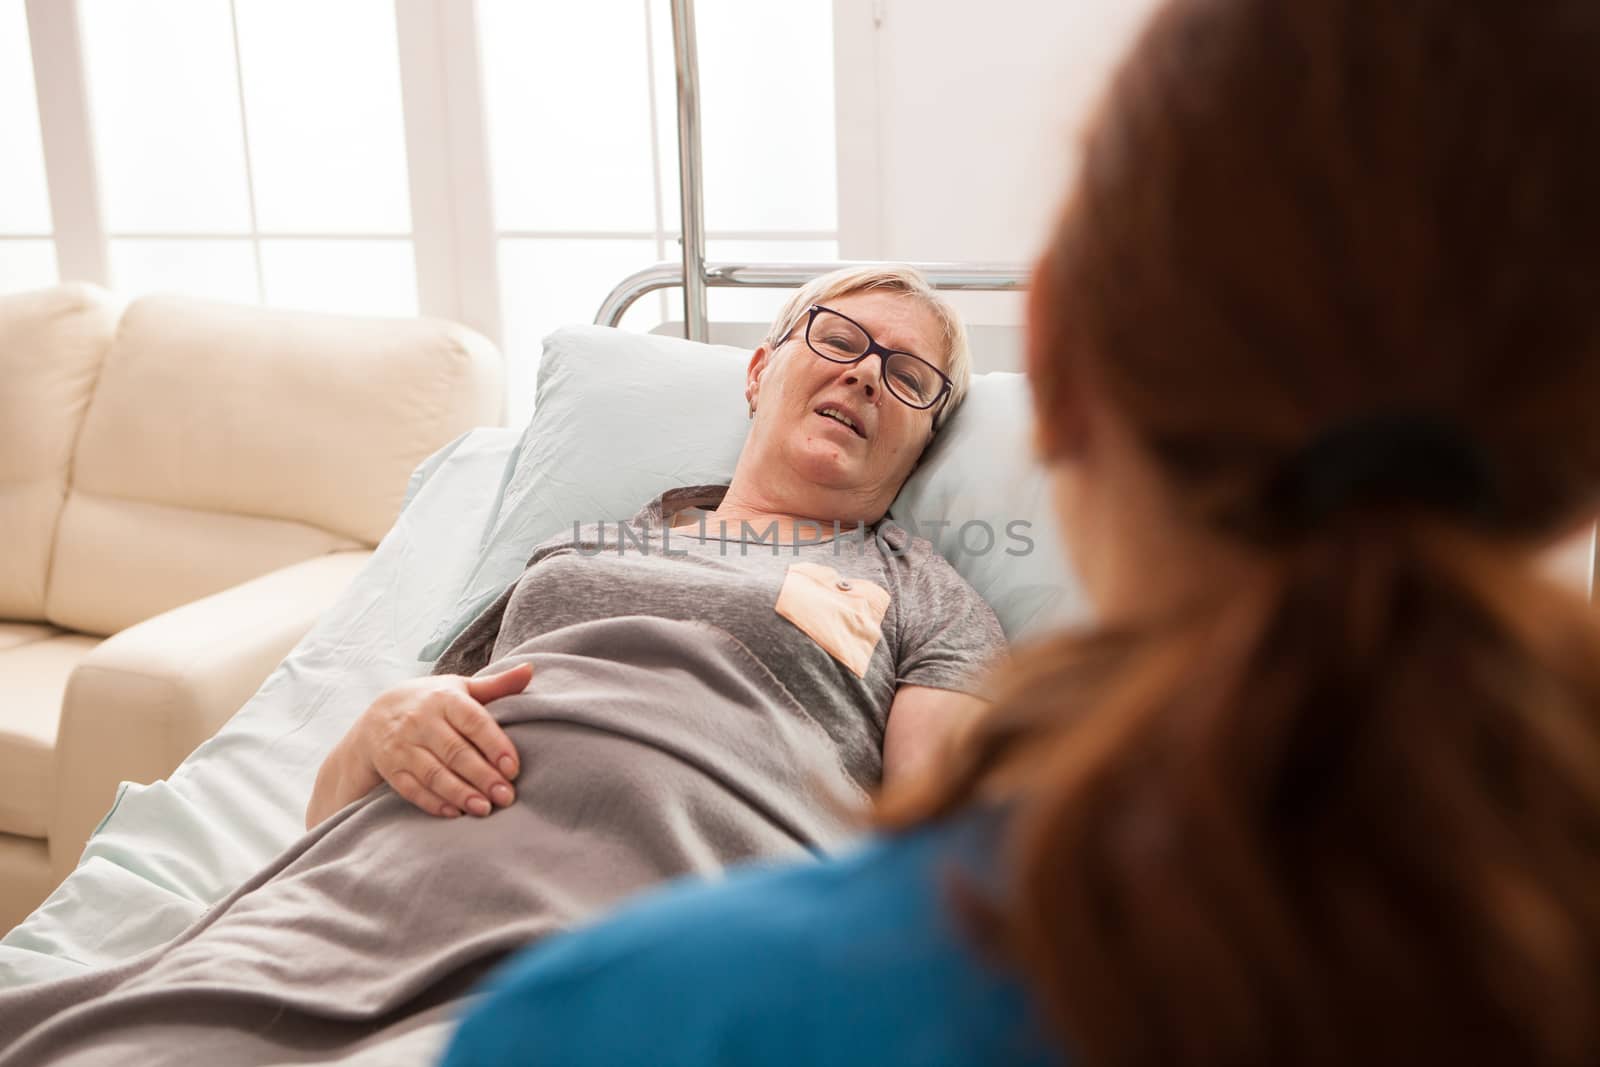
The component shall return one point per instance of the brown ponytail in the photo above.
(1347, 811)
(1348, 814)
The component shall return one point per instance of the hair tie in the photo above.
(1413, 461)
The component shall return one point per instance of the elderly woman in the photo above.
(727, 680)
(1315, 354)
(854, 378)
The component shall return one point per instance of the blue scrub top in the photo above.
(855, 960)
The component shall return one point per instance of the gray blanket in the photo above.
(651, 748)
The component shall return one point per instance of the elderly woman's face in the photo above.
(791, 386)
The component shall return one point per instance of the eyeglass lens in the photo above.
(912, 380)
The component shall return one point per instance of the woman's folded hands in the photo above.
(432, 740)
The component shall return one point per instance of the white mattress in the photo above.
(169, 850)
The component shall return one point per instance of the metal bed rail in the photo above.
(969, 277)
(691, 201)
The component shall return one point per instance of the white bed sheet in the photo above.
(169, 850)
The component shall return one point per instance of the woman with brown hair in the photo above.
(1315, 350)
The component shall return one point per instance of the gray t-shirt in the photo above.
(840, 622)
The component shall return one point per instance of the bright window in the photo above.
(555, 282)
(27, 255)
(215, 269)
(358, 276)
(567, 94)
(766, 86)
(322, 99)
(253, 150)
(26, 263)
(370, 156)
(582, 125)
(164, 100)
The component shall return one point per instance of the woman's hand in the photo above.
(431, 739)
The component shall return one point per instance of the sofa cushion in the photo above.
(33, 678)
(264, 436)
(138, 560)
(26, 861)
(51, 346)
(15, 634)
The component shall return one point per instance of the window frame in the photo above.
(455, 240)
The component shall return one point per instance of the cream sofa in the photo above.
(184, 486)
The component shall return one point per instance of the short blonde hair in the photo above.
(894, 279)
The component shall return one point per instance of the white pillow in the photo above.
(986, 506)
(621, 417)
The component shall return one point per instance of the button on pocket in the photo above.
(843, 616)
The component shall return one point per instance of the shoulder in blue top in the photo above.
(855, 960)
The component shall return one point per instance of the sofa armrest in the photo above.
(144, 698)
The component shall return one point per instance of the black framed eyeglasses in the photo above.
(911, 379)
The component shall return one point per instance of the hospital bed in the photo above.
(168, 850)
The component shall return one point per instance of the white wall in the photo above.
(958, 123)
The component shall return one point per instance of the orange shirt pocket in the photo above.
(843, 615)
